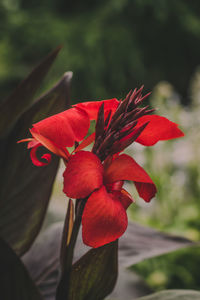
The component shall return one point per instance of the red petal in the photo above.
(84, 174)
(158, 129)
(92, 107)
(32, 143)
(48, 144)
(115, 186)
(104, 219)
(64, 128)
(125, 198)
(36, 161)
(25, 140)
(125, 167)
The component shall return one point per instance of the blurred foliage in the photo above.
(175, 168)
(178, 270)
(110, 45)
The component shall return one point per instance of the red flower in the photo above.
(104, 218)
(118, 124)
(62, 130)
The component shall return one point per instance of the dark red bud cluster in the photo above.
(115, 133)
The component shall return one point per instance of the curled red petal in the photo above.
(47, 157)
(92, 107)
(38, 138)
(104, 219)
(125, 167)
(158, 129)
(35, 160)
(65, 128)
(83, 174)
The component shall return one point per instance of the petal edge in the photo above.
(158, 129)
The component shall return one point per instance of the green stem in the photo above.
(64, 284)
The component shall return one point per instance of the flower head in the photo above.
(97, 177)
(100, 175)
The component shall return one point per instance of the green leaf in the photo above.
(15, 281)
(53, 101)
(42, 260)
(19, 101)
(173, 295)
(94, 275)
(139, 243)
(24, 188)
(44, 268)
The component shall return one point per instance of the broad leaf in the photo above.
(140, 242)
(173, 295)
(15, 282)
(54, 101)
(24, 188)
(44, 268)
(94, 275)
(18, 102)
(42, 260)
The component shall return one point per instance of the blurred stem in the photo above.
(63, 286)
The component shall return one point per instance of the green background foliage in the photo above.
(110, 45)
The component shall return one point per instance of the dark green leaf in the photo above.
(53, 101)
(44, 268)
(42, 260)
(18, 102)
(94, 275)
(15, 282)
(24, 188)
(173, 295)
(140, 242)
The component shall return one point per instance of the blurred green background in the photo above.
(113, 46)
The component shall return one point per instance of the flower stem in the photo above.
(64, 284)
